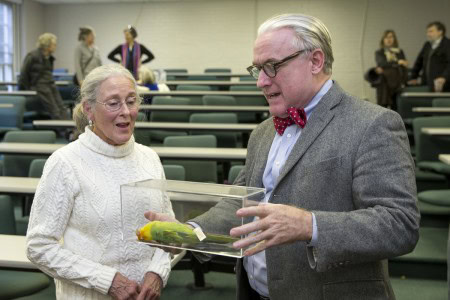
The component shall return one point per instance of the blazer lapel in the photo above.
(261, 157)
(319, 119)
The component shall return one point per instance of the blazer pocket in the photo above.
(328, 164)
(358, 289)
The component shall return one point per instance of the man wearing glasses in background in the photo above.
(339, 179)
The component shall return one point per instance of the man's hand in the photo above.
(151, 287)
(122, 288)
(278, 224)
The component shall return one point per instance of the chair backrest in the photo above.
(68, 92)
(234, 172)
(217, 70)
(224, 139)
(193, 87)
(415, 89)
(441, 102)
(7, 219)
(170, 116)
(176, 70)
(201, 78)
(247, 78)
(174, 172)
(36, 168)
(218, 100)
(248, 101)
(12, 118)
(200, 171)
(195, 100)
(406, 104)
(142, 136)
(428, 147)
(19, 165)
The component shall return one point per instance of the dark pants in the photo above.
(52, 101)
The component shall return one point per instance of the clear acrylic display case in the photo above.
(188, 199)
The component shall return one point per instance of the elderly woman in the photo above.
(87, 56)
(75, 232)
(37, 75)
(131, 52)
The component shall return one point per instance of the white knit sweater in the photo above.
(75, 229)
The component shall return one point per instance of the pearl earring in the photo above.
(90, 123)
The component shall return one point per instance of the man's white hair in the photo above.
(311, 34)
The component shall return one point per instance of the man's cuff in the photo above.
(315, 234)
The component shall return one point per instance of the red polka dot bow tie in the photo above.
(295, 116)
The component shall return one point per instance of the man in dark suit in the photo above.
(340, 187)
(433, 62)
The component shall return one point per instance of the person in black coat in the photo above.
(433, 62)
(391, 66)
(36, 74)
(131, 52)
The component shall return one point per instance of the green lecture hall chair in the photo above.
(142, 136)
(11, 118)
(158, 136)
(234, 172)
(195, 100)
(219, 100)
(174, 172)
(441, 102)
(224, 139)
(249, 117)
(199, 171)
(15, 284)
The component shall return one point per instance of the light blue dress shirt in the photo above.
(255, 265)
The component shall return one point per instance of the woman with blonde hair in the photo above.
(75, 232)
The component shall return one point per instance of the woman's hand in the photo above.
(122, 288)
(151, 287)
(379, 70)
(403, 62)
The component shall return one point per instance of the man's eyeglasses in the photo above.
(271, 68)
(114, 104)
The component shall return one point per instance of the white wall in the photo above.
(32, 24)
(211, 33)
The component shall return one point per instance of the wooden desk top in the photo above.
(18, 185)
(202, 93)
(18, 93)
(204, 108)
(57, 82)
(210, 82)
(219, 74)
(436, 131)
(157, 125)
(433, 110)
(197, 153)
(13, 253)
(445, 158)
(425, 94)
(6, 105)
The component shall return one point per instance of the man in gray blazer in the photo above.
(340, 186)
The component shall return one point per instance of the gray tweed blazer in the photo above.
(352, 167)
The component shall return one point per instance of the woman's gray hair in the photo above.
(45, 40)
(311, 34)
(90, 87)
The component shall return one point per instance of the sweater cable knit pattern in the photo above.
(75, 231)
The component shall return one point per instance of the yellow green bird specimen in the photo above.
(177, 233)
